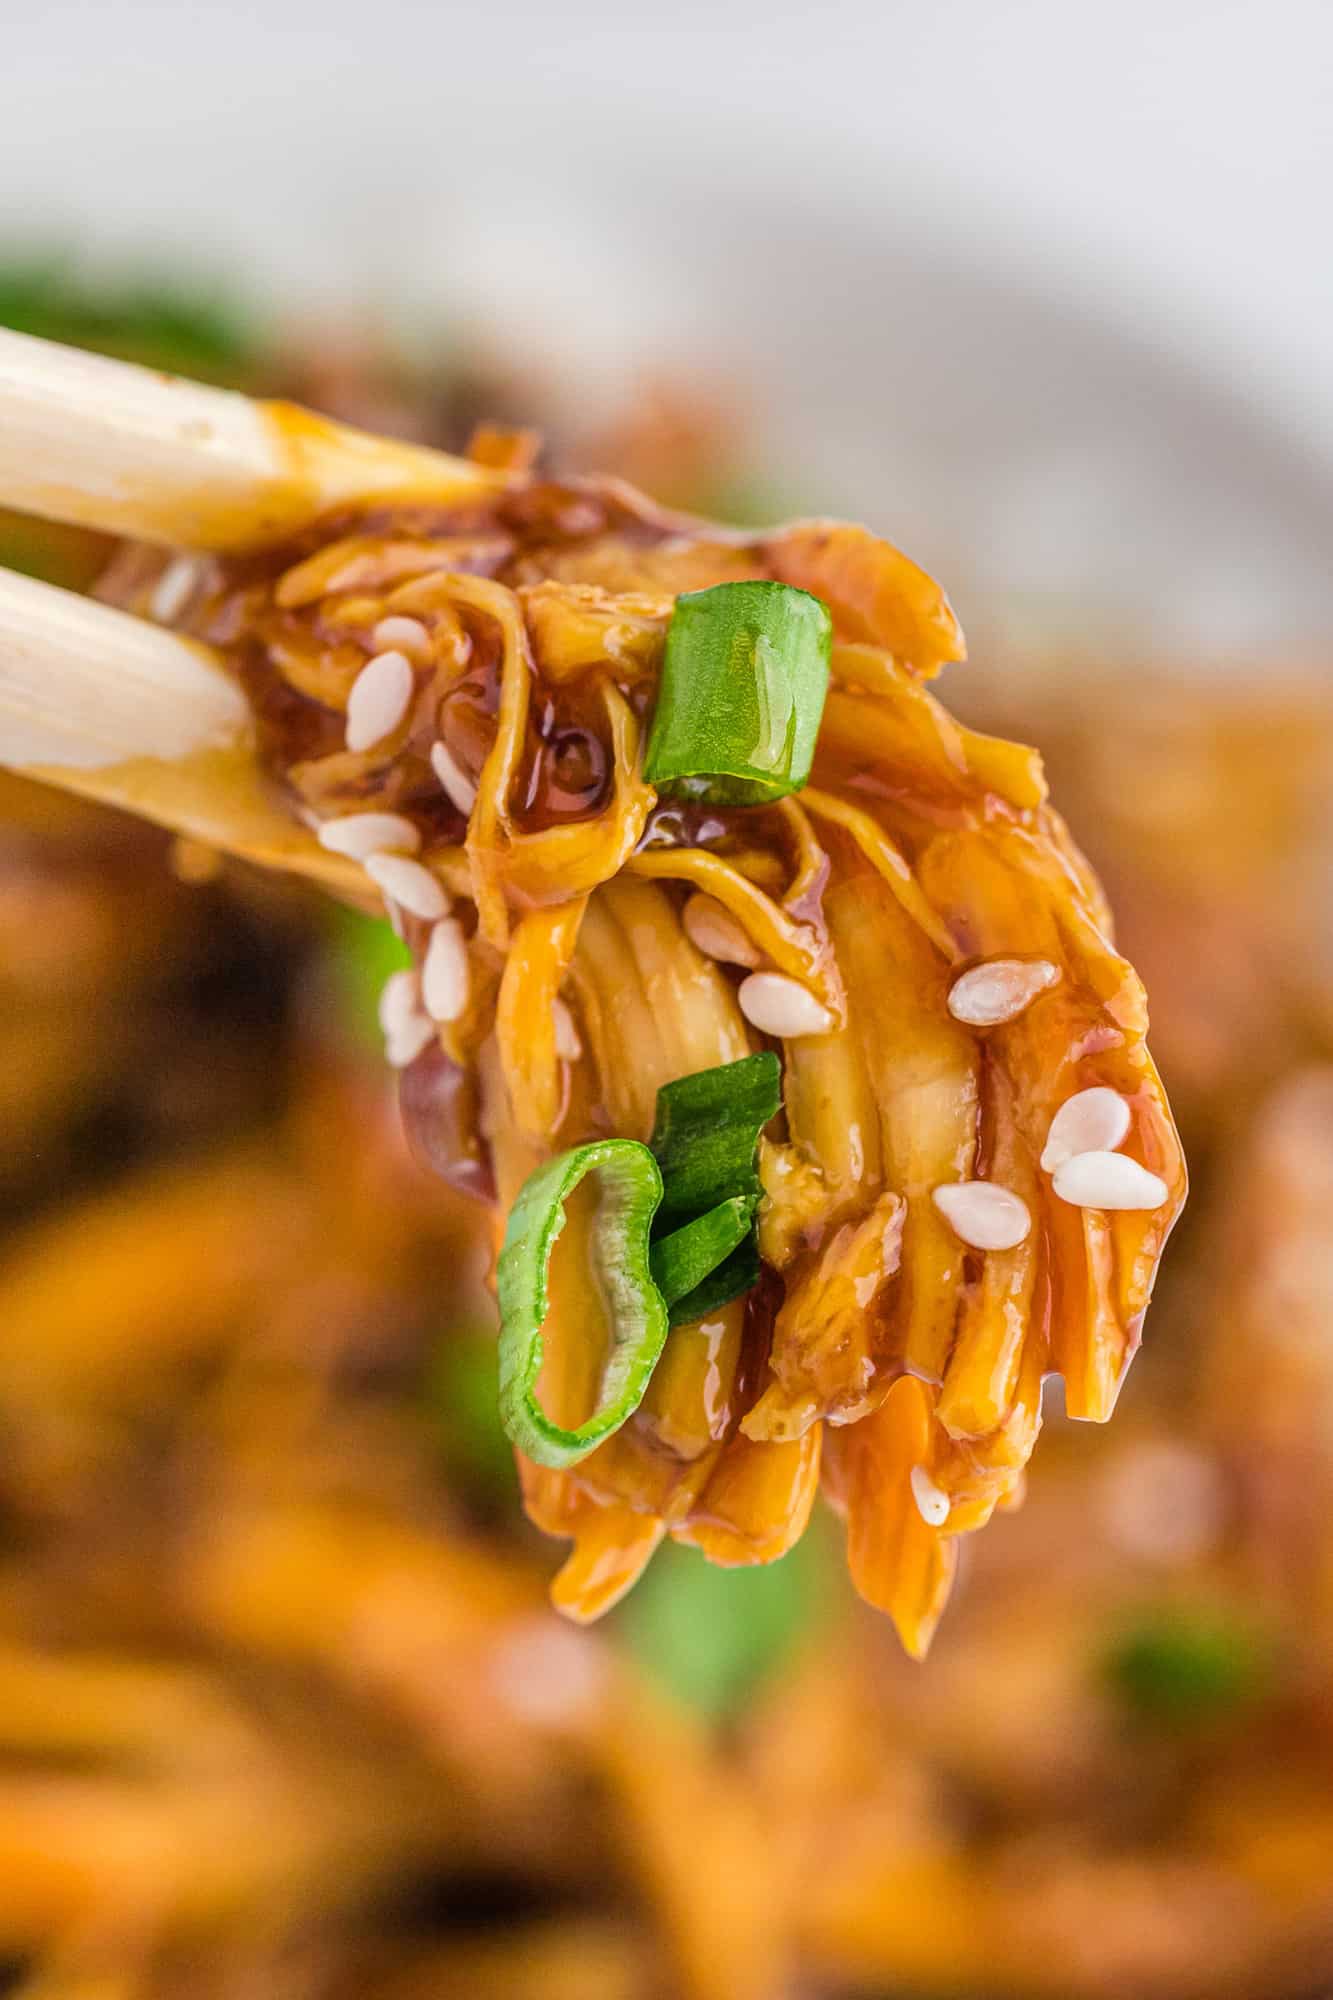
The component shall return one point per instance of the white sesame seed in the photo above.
(987, 1216)
(1091, 1121)
(783, 1007)
(444, 974)
(457, 785)
(359, 835)
(1107, 1180)
(716, 933)
(405, 1045)
(400, 1000)
(999, 990)
(378, 700)
(406, 1029)
(174, 588)
(931, 1503)
(409, 885)
(403, 635)
(568, 1044)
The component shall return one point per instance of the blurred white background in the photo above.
(1044, 287)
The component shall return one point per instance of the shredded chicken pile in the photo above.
(882, 1356)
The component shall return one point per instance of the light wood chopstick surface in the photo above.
(103, 444)
(117, 709)
(111, 706)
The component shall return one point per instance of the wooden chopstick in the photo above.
(105, 445)
(117, 709)
(109, 706)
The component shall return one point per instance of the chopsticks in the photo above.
(106, 445)
(115, 708)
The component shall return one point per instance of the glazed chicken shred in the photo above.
(913, 933)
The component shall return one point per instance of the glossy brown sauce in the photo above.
(298, 647)
(568, 770)
(516, 537)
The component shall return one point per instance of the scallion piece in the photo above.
(736, 1274)
(744, 678)
(630, 1190)
(698, 1178)
(706, 1130)
(682, 1260)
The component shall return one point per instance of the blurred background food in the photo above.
(282, 1711)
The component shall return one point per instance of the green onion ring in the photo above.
(631, 1190)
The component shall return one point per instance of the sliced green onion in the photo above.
(631, 1188)
(682, 1260)
(744, 678)
(700, 1175)
(706, 1131)
(736, 1274)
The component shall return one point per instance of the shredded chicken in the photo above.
(881, 1342)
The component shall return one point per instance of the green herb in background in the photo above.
(145, 318)
(713, 1636)
(749, 502)
(362, 952)
(149, 319)
(51, 550)
(462, 1390)
(1188, 1667)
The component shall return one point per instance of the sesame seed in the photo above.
(408, 884)
(403, 635)
(1107, 1180)
(999, 990)
(359, 835)
(400, 1000)
(406, 1029)
(783, 1007)
(378, 700)
(1091, 1121)
(932, 1504)
(981, 1213)
(404, 1046)
(457, 785)
(716, 933)
(444, 974)
(174, 588)
(568, 1043)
